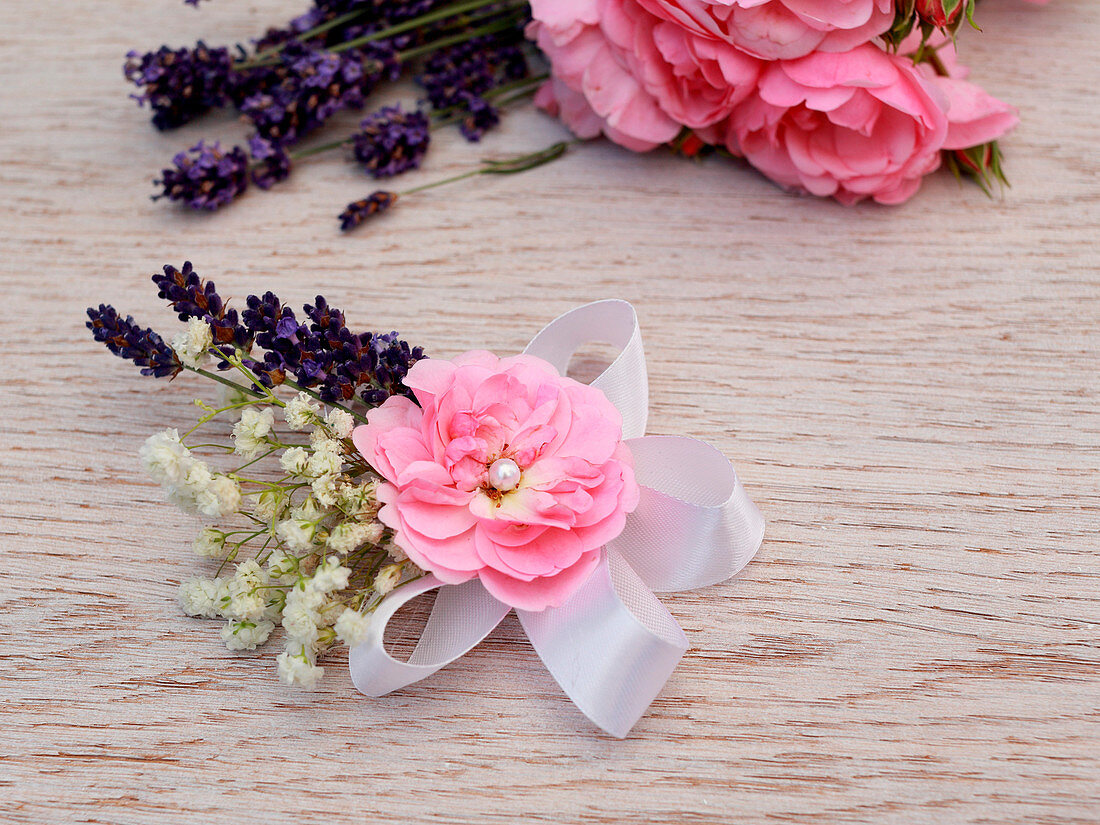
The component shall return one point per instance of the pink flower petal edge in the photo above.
(531, 546)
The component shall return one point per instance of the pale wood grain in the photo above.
(910, 394)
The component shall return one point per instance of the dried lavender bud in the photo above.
(472, 68)
(271, 162)
(314, 85)
(179, 84)
(392, 141)
(325, 354)
(346, 365)
(478, 118)
(358, 211)
(205, 177)
(127, 340)
(192, 297)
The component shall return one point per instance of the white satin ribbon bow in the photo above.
(613, 645)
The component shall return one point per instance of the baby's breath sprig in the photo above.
(293, 525)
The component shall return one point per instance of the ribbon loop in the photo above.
(614, 322)
(612, 683)
(612, 645)
(462, 616)
(695, 525)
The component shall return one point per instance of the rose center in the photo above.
(504, 474)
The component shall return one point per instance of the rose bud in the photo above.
(940, 12)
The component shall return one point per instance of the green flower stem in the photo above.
(253, 461)
(324, 147)
(509, 166)
(268, 396)
(215, 377)
(502, 24)
(267, 58)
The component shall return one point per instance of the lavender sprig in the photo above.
(205, 177)
(179, 84)
(357, 212)
(391, 141)
(266, 342)
(271, 162)
(317, 84)
(126, 339)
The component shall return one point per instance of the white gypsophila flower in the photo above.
(250, 433)
(350, 535)
(296, 533)
(325, 462)
(165, 458)
(352, 627)
(192, 344)
(300, 614)
(329, 576)
(268, 505)
(294, 460)
(395, 552)
(195, 483)
(246, 595)
(300, 623)
(221, 497)
(245, 635)
(324, 489)
(358, 501)
(297, 667)
(201, 597)
(387, 579)
(307, 510)
(340, 422)
(301, 412)
(209, 543)
(281, 566)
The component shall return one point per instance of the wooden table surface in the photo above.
(911, 396)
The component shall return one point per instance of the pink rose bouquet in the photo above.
(849, 99)
(502, 470)
(781, 29)
(827, 105)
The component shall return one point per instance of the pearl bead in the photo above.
(504, 474)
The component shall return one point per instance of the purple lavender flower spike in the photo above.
(356, 212)
(473, 67)
(205, 177)
(180, 84)
(392, 141)
(314, 84)
(271, 162)
(192, 297)
(323, 354)
(478, 118)
(127, 340)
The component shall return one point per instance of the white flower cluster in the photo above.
(251, 431)
(308, 618)
(308, 553)
(193, 344)
(301, 412)
(189, 481)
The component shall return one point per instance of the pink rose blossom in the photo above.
(533, 540)
(781, 29)
(858, 124)
(974, 117)
(620, 70)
